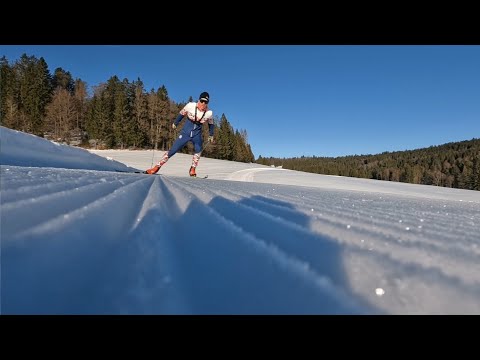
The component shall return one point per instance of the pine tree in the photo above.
(167, 113)
(139, 115)
(97, 122)
(114, 103)
(63, 79)
(9, 113)
(120, 113)
(475, 181)
(34, 92)
(225, 142)
(241, 151)
(150, 127)
(5, 72)
(44, 90)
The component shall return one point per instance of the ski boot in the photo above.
(153, 170)
(192, 172)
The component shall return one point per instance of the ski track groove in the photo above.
(62, 245)
(96, 202)
(148, 262)
(346, 216)
(292, 261)
(386, 238)
(66, 202)
(21, 186)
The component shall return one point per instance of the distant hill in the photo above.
(455, 164)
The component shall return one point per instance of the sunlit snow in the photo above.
(79, 237)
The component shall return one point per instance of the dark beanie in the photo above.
(204, 96)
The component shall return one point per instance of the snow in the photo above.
(78, 237)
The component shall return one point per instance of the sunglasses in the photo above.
(204, 101)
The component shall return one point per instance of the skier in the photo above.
(197, 114)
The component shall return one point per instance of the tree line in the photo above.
(122, 114)
(119, 114)
(455, 165)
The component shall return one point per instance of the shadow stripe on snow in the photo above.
(122, 201)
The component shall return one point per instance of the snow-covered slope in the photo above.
(248, 240)
(23, 149)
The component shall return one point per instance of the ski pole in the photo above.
(205, 146)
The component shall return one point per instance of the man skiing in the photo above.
(197, 114)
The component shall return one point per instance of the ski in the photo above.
(144, 172)
(135, 172)
(131, 172)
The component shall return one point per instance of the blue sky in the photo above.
(296, 100)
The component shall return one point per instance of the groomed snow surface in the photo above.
(79, 237)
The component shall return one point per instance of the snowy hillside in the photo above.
(77, 237)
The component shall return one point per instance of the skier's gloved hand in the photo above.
(210, 139)
(174, 126)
